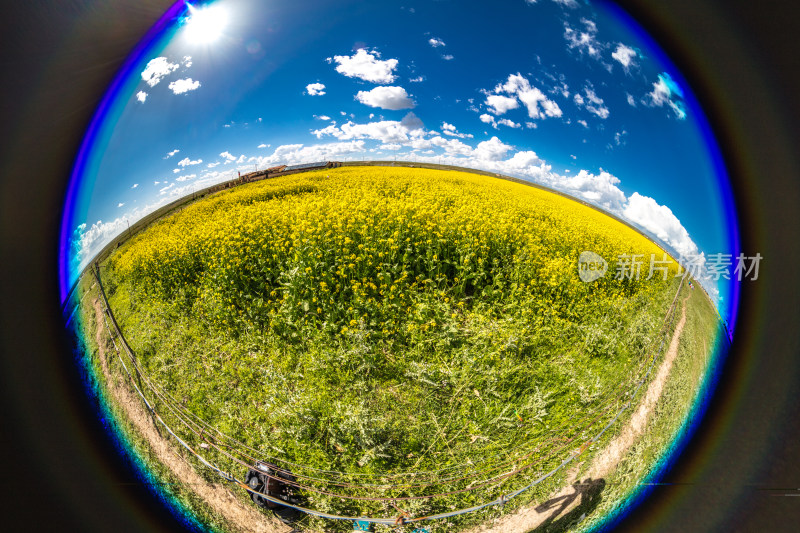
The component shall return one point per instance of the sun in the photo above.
(205, 24)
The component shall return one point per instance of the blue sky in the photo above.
(560, 92)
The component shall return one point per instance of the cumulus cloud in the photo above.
(499, 104)
(492, 150)
(183, 86)
(599, 189)
(625, 55)
(164, 190)
(366, 66)
(435, 42)
(535, 101)
(141, 96)
(185, 162)
(212, 165)
(509, 123)
(120, 204)
(631, 100)
(390, 97)
(157, 69)
(299, 153)
(447, 57)
(229, 157)
(186, 177)
(170, 154)
(417, 79)
(591, 102)
(386, 131)
(323, 117)
(315, 89)
(449, 129)
(666, 93)
(567, 3)
(135, 185)
(488, 119)
(661, 222)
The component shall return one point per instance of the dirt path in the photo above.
(219, 497)
(570, 497)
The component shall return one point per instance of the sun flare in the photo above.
(205, 25)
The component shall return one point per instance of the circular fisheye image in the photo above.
(400, 266)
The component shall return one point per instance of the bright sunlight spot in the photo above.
(205, 25)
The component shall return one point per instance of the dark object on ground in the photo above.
(266, 478)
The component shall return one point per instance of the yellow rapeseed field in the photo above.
(380, 320)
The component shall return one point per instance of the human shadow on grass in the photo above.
(588, 494)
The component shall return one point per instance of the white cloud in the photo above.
(625, 55)
(298, 153)
(566, 3)
(488, 119)
(163, 190)
(187, 61)
(417, 79)
(229, 157)
(583, 41)
(492, 150)
(185, 162)
(183, 86)
(386, 131)
(449, 129)
(666, 92)
(170, 154)
(583, 123)
(619, 137)
(175, 170)
(661, 222)
(186, 177)
(322, 117)
(631, 99)
(600, 189)
(212, 165)
(447, 57)
(156, 182)
(393, 98)
(509, 123)
(315, 89)
(141, 96)
(592, 102)
(157, 69)
(120, 204)
(366, 66)
(499, 104)
(135, 185)
(435, 42)
(537, 104)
